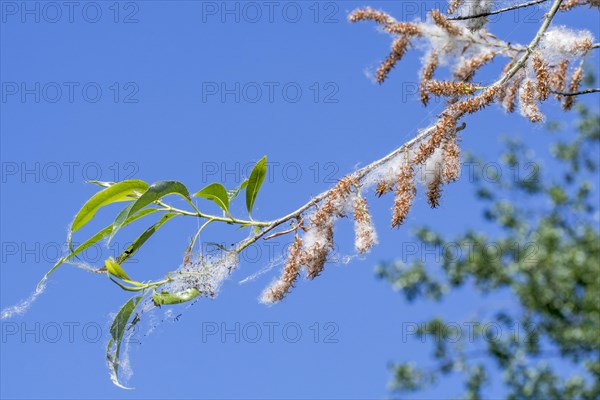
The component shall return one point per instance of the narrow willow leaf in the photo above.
(175, 298)
(117, 330)
(257, 176)
(92, 241)
(137, 243)
(217, 193)
(111, 194)
(116, 269)
(155, 192)
(233, 193)
(101, 183)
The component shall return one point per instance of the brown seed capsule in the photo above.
(405, 193)
(369, 14)
(542, 84)
(278, 290)
(573, 87)
(443, 23)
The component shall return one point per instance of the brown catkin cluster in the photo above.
(406, 191)
(510, 99)
(399, 47)
(427, 74)
(558, 77)
(443, 23)
(383, 187)
(529, 106)
(403, 28)
(454, 5)
(502, 91)
(277, 291)
(542, 83)
(369, 14)
(449, 88)
(451, 167)
(322, 223)
(466, 70)
(476, 103)
(573, 87)
(365, 233)
(434, 191)
(569, 4)
(444, 127)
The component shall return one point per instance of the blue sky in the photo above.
(112, 91)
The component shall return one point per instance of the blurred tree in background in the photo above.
(546, 255)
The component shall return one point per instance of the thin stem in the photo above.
(199, 214)
(486, 14)
(195, 238)
(585, 91)
(536, 40)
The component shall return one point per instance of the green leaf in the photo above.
(257, 176)
(175, 298)
(117, 330)
(137, 243)
(217, 193)
(233, 193)
(93, 240)
(101, 183)
(155, 192)
(115, 269)
(111, 194)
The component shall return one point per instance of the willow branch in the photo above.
(485, 14)
(361, 173)
(585, 91)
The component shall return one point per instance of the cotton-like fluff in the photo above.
(365, 235)
(203, 273)
(23, 306)
(560, 42)
(474, 7)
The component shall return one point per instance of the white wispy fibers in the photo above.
(23, 306)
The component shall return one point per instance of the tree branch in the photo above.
(361, 173)
(485, 14)
(585, 91)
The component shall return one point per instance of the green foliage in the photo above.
(257, 176)
(163, 298)
(547, 255)
(217, 193)
(117, 331)
(153, 194)
(145, 200)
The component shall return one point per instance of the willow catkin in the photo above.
(369, 14)
(427, 74)
(281, 287)
(442, 22)
(542, 83)
(399, 47)
(434, 191)
(573, 87)
(558, 77)
(454, 5)
(529, 107)
(365, 236)
(510, 100)
(450, 88)
(451, 165)
(405, 193)
(466, 70)
(321, 229)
